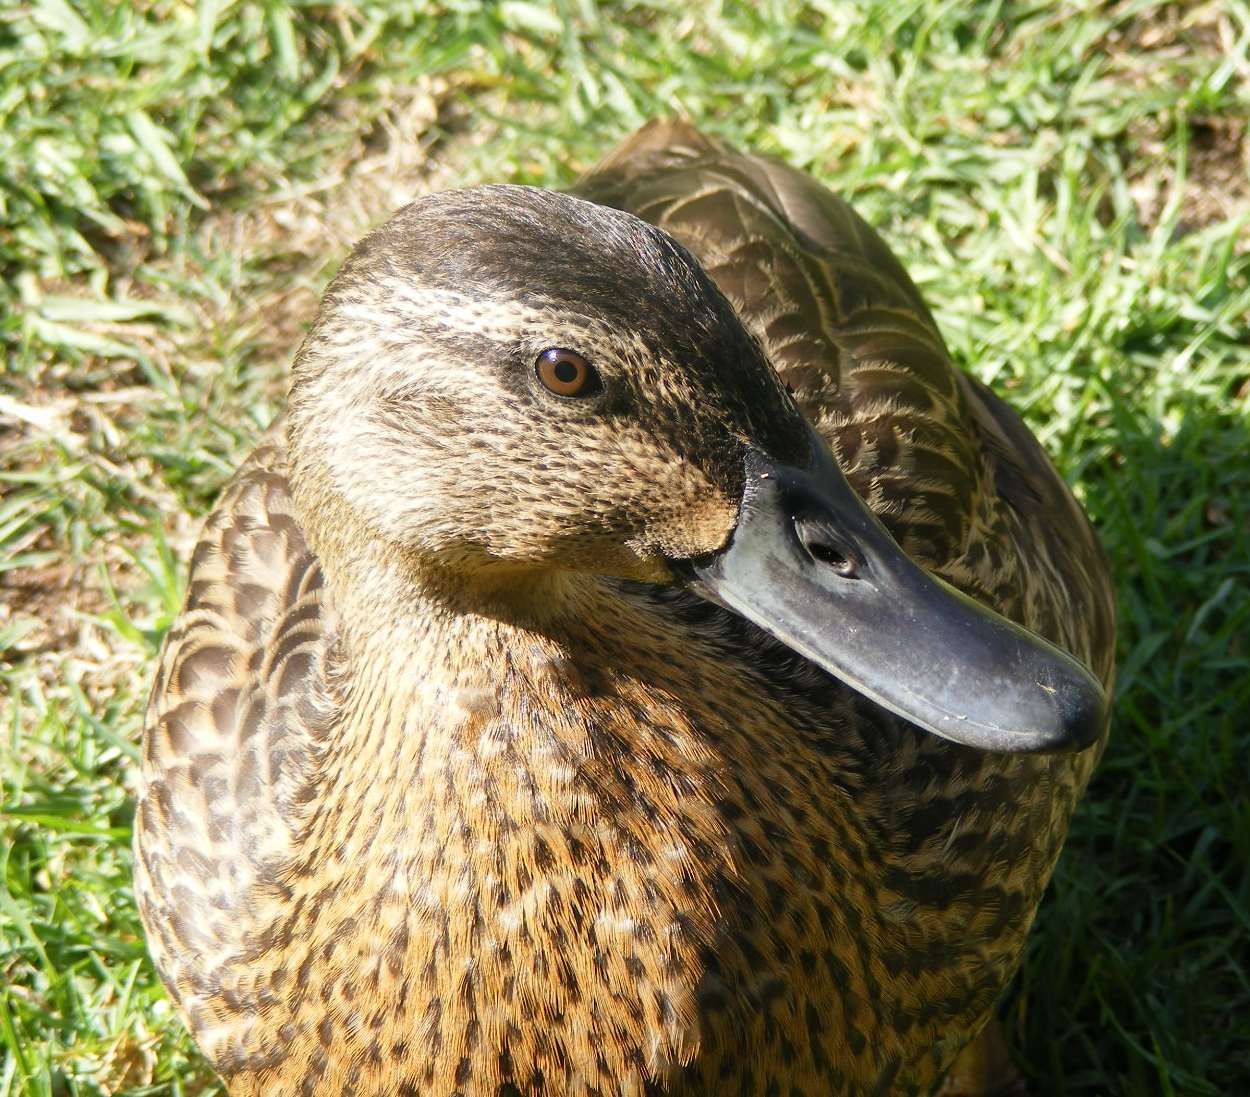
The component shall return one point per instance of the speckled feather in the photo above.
(401, 834)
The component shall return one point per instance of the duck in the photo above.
(638, 663)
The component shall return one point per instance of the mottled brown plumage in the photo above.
(449, 790)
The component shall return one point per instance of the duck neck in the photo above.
(456, 699)
(560, 816)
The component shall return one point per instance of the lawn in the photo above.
(1069, 184)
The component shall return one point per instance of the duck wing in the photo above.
(234, 723)
(951, 470)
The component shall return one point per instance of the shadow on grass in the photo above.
(1140, 958)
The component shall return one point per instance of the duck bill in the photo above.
(809, 563)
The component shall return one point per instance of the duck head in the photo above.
(507, 387)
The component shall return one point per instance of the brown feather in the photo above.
(528, 823)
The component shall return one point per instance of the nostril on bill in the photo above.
(824, 548)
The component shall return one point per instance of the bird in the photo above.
(637, 663)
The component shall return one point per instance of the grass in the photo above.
(1069, 184)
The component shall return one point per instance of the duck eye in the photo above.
(566, 373)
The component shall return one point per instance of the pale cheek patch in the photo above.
(700, 527)
(379, 475)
